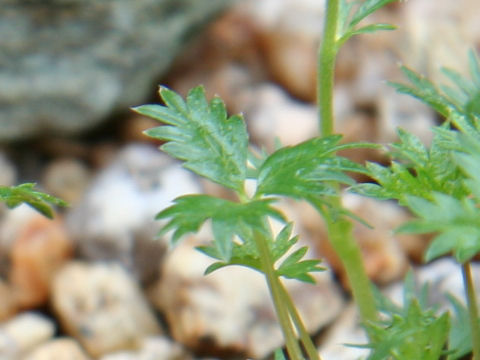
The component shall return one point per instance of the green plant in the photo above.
(440, 184)
(26, 193)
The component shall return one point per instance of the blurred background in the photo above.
(92, 284)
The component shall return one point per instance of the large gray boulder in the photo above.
(66, 65)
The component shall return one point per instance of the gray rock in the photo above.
(65, 65)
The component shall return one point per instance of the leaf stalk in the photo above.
(293, 348)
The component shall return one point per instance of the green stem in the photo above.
(340, 230)
(472, 309)
(340, 234)
(326, 69)
(293, 348)
(307, 342)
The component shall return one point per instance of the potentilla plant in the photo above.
(439, 184)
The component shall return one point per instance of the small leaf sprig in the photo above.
(26, 193)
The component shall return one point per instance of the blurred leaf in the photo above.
(26, 193)
(460, 337)
(457, 223)
(416, 170)
(409, 331)
(366, 8)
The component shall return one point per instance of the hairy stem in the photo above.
(472, 309)
(293, 348)
(305, 338)
(326, 69)
(340, 234)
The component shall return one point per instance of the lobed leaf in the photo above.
(26, 193)
(416, 170)
(295, 268)
(305, 171)
(460, 337)
(368, 7)
(200, 133)
(457, 223)
(190, 212)
(410, 331)
(459, 104)
(246, 254)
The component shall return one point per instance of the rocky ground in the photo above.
(93, 284)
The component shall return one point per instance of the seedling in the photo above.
(440, 184)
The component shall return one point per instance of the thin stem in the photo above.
(326, 69)
(472, 309)
(340, 234)
(293, 348)
(307, 342)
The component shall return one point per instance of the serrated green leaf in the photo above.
(246, 254)
(416, 170)
(416, 334)
(200, 133)
(189, 213)
(26, 193)
(423, 90)
(305, 170)
(459, 104)
(364, 30)
(283, 242)
(460, 337)
(295, 268)
(368, 7)
(345, 8)
(457, 223)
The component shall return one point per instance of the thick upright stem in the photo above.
(340, 234)
(472, 309)
(339, 229)
(326, 69)
(293, 348)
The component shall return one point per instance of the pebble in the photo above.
(66, 178)
(289, 33)
(346, 330)
(273, 114)
(58, 349)
(153, 348)
(23, 333)
(115, 219)
(102, 307)
(230, 311)
(36, 247)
